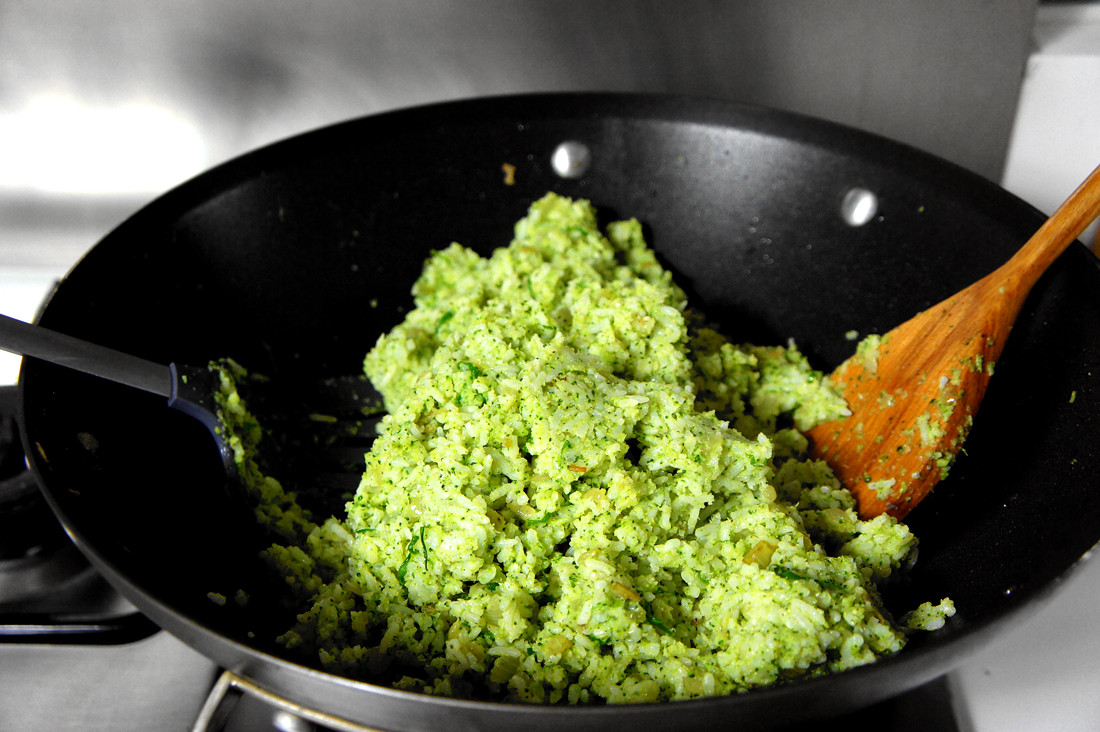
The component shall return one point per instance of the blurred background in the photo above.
(104, 104)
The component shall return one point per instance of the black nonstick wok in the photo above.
(294, 258)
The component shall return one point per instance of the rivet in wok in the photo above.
(858, 206)
(571, 159)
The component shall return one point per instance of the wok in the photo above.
(294, 258)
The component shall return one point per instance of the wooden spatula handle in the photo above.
(1058, 232)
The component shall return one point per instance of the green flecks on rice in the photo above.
(582, 492)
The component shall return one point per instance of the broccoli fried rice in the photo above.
(582, 492)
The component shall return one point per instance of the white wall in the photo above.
(1055, 140)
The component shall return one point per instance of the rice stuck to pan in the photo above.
(582, 493)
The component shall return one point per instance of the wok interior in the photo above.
(294, 259)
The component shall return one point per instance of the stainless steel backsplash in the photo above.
(105, 103)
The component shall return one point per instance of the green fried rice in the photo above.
(581, 492)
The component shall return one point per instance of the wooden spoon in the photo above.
(913, 393)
